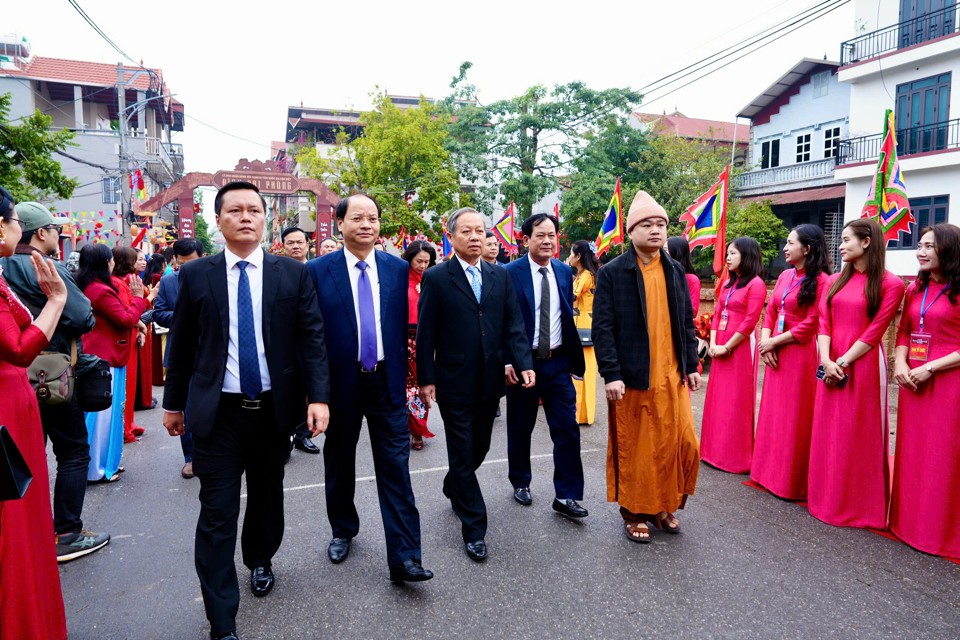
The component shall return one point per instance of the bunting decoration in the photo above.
(887, 201)
(707, 220)
(611, 231)
(504, 230)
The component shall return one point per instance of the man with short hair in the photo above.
(469, 322)
(491, 249)
(184, 250)
(544, 286)
(362, 293)
(647, 353)
(64, 423)
(328, 245)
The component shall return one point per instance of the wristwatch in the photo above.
(928, 368)
(842, 362)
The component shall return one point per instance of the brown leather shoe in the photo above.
(187, 471)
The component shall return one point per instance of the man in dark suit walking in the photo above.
(247, 348)
(468, 319)
(545, 288)
(363, 298)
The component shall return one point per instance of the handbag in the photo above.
(586, 339)
(52, 377)
(15, 475)
(95, 387)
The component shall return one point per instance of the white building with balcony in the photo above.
(796, 126)
(85, 98)
(904, 56)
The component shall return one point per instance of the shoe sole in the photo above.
(82, 552)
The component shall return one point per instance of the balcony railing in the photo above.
(800, 172)
(917, 30)
(922, 139)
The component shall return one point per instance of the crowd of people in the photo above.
(263, 353)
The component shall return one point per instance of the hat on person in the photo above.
(643, 207)
(34, 215)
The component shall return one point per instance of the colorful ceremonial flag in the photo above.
(556, 214)
(504, 230)
(447, 246)
(707, 220)
(611, 231)
(402, 238)
(887, 201)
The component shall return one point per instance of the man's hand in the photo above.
(173, 422)
(694, 381)
(318, 417)
(510, 375)
(529, 378)
(615, 390)
(428, 393)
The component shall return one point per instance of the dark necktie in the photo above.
(368, 320)
(247, 353)
(543, 349)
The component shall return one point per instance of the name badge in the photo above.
(920, 346)
(723, 320)
(781, 320)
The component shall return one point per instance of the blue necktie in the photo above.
(247, 353)
(475, 281)
(368, 320)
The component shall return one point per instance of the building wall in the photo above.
(22, 101)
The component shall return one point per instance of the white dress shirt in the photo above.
(556, 335)
(354, 272)
(231, 378)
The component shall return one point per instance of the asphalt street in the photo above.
(747, 565)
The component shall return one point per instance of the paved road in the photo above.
(747, 565)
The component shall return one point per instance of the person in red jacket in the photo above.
(110, 340)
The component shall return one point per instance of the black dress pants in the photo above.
(65, 426)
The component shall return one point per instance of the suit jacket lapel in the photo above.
(462, 281)
(217, 275)
(338, 271)
(271, 282)
(526, 285)
(385, 275)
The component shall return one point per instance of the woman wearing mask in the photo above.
(788, 348)
(111, 339)
(421, 256)
(848, 479)
(926, 477)
(31, 605)
(726, 434)
(584, 261)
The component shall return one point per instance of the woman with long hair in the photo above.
(126, 261)
(788, 348)
(726, 433)
(156, 265)
(110, 340)
(848, 479)
(31, 604)
(926, 477)
(584, 262)
(144, 397)
(420, 255)
(679, 250)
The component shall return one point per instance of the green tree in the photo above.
(754, 219)
(27, 167)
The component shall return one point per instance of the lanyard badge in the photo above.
(724, 315)
(920, 341)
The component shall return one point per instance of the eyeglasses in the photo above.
(20, 222)
(58, 227)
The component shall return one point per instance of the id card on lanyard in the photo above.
(920, 340)
(724, 315)
(782, 316)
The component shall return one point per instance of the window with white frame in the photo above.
(821, 82)
(770, 154)
(831, 142)
(111, 189)
(803, 148)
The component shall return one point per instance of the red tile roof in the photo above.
(76, 72)
(695, 128)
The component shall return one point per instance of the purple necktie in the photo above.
(368, 320)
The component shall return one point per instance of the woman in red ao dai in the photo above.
(788, 348)
(926, 476)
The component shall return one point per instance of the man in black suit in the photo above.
(468, 318)
(545, 288)
(247, 348)
(362, 295)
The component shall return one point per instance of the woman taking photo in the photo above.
(110, 340)
(926, 477)
(788, 348)
(31, 605)
(848, 477)
(584, 262)
(421, 256)
(726, 434)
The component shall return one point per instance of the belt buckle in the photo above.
(249, 404)
(374, 370)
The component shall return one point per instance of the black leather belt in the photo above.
(377, 367)
(255, 404)
(550, 354)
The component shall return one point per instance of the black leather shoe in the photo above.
(261, 581)
(522, 495)
(338, 550)
(477, 550)
(229, 635)
(305, 444)
(569, 508)
(409, 571)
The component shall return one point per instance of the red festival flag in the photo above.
(504, 230)
(887, 201)
(707, 221)
(556, 214)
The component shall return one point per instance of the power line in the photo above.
(226, 133)
(89, 21)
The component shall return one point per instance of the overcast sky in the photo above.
(239, 71)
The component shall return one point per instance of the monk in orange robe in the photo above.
(646, 351)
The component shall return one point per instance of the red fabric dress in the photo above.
(417, 412)
(726, 434)
(694, 285)
(849, 480)
(926, 476)
(782, 449)
(131, 398)
(31, 604)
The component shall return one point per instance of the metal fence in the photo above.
(912, 140)
(932, 25)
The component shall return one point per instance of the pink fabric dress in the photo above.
(926, 476)
(782, 449)
(726, 434)
(693, 284)
(849, 477)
